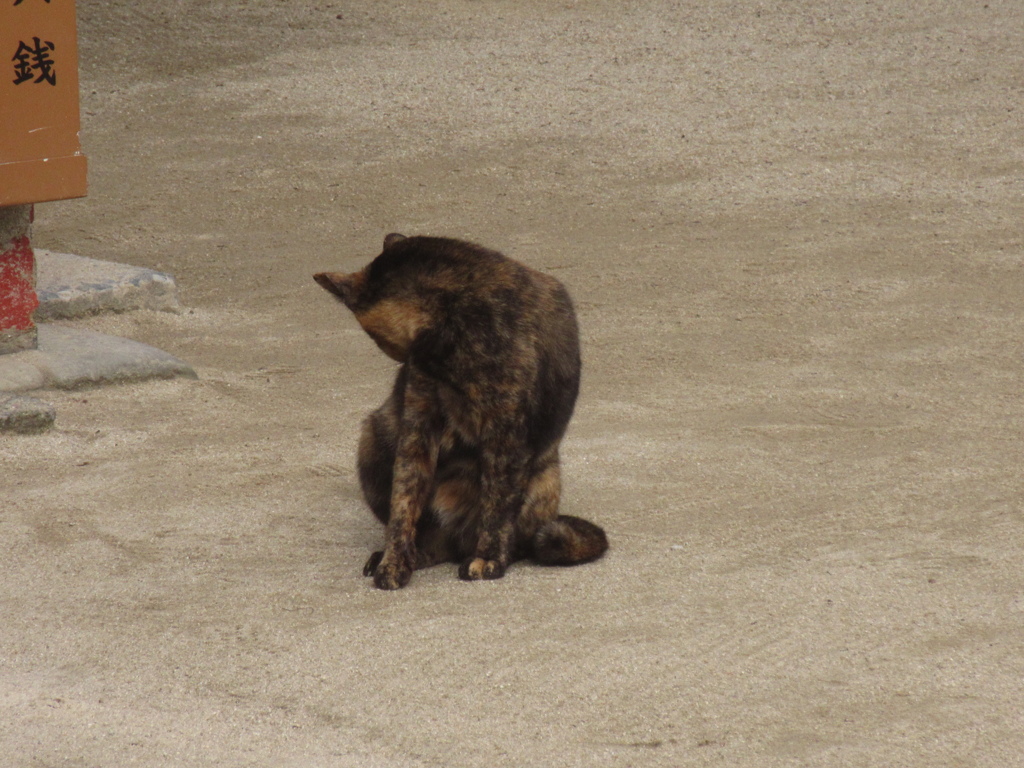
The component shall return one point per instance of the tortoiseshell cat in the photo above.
(461, 462)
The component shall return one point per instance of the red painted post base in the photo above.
(18, 298)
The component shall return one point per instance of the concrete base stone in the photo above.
(71, 286)
(25, 415)
(69, 358)
(15, 221)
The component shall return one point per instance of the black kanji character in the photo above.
(26, 59)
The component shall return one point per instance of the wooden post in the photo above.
(17, 280)
(40, 154)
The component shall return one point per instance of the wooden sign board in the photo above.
(40, 154)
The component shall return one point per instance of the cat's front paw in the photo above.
(388, 575)
(476, 568)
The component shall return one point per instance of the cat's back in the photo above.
(483, 303)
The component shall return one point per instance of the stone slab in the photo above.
(71, 286)
(70, 358)
(25, 415)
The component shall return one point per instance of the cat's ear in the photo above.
(393, 238)
(344, 287)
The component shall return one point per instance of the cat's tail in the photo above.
(568, 540)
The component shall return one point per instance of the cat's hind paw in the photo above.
(372, 563)
(477, 568)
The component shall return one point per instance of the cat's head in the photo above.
(389, 312)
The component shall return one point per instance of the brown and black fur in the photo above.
(461, 462)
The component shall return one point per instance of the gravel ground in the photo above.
(793, 233)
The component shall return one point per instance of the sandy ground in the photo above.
(794, 234)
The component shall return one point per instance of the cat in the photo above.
(461, 462)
